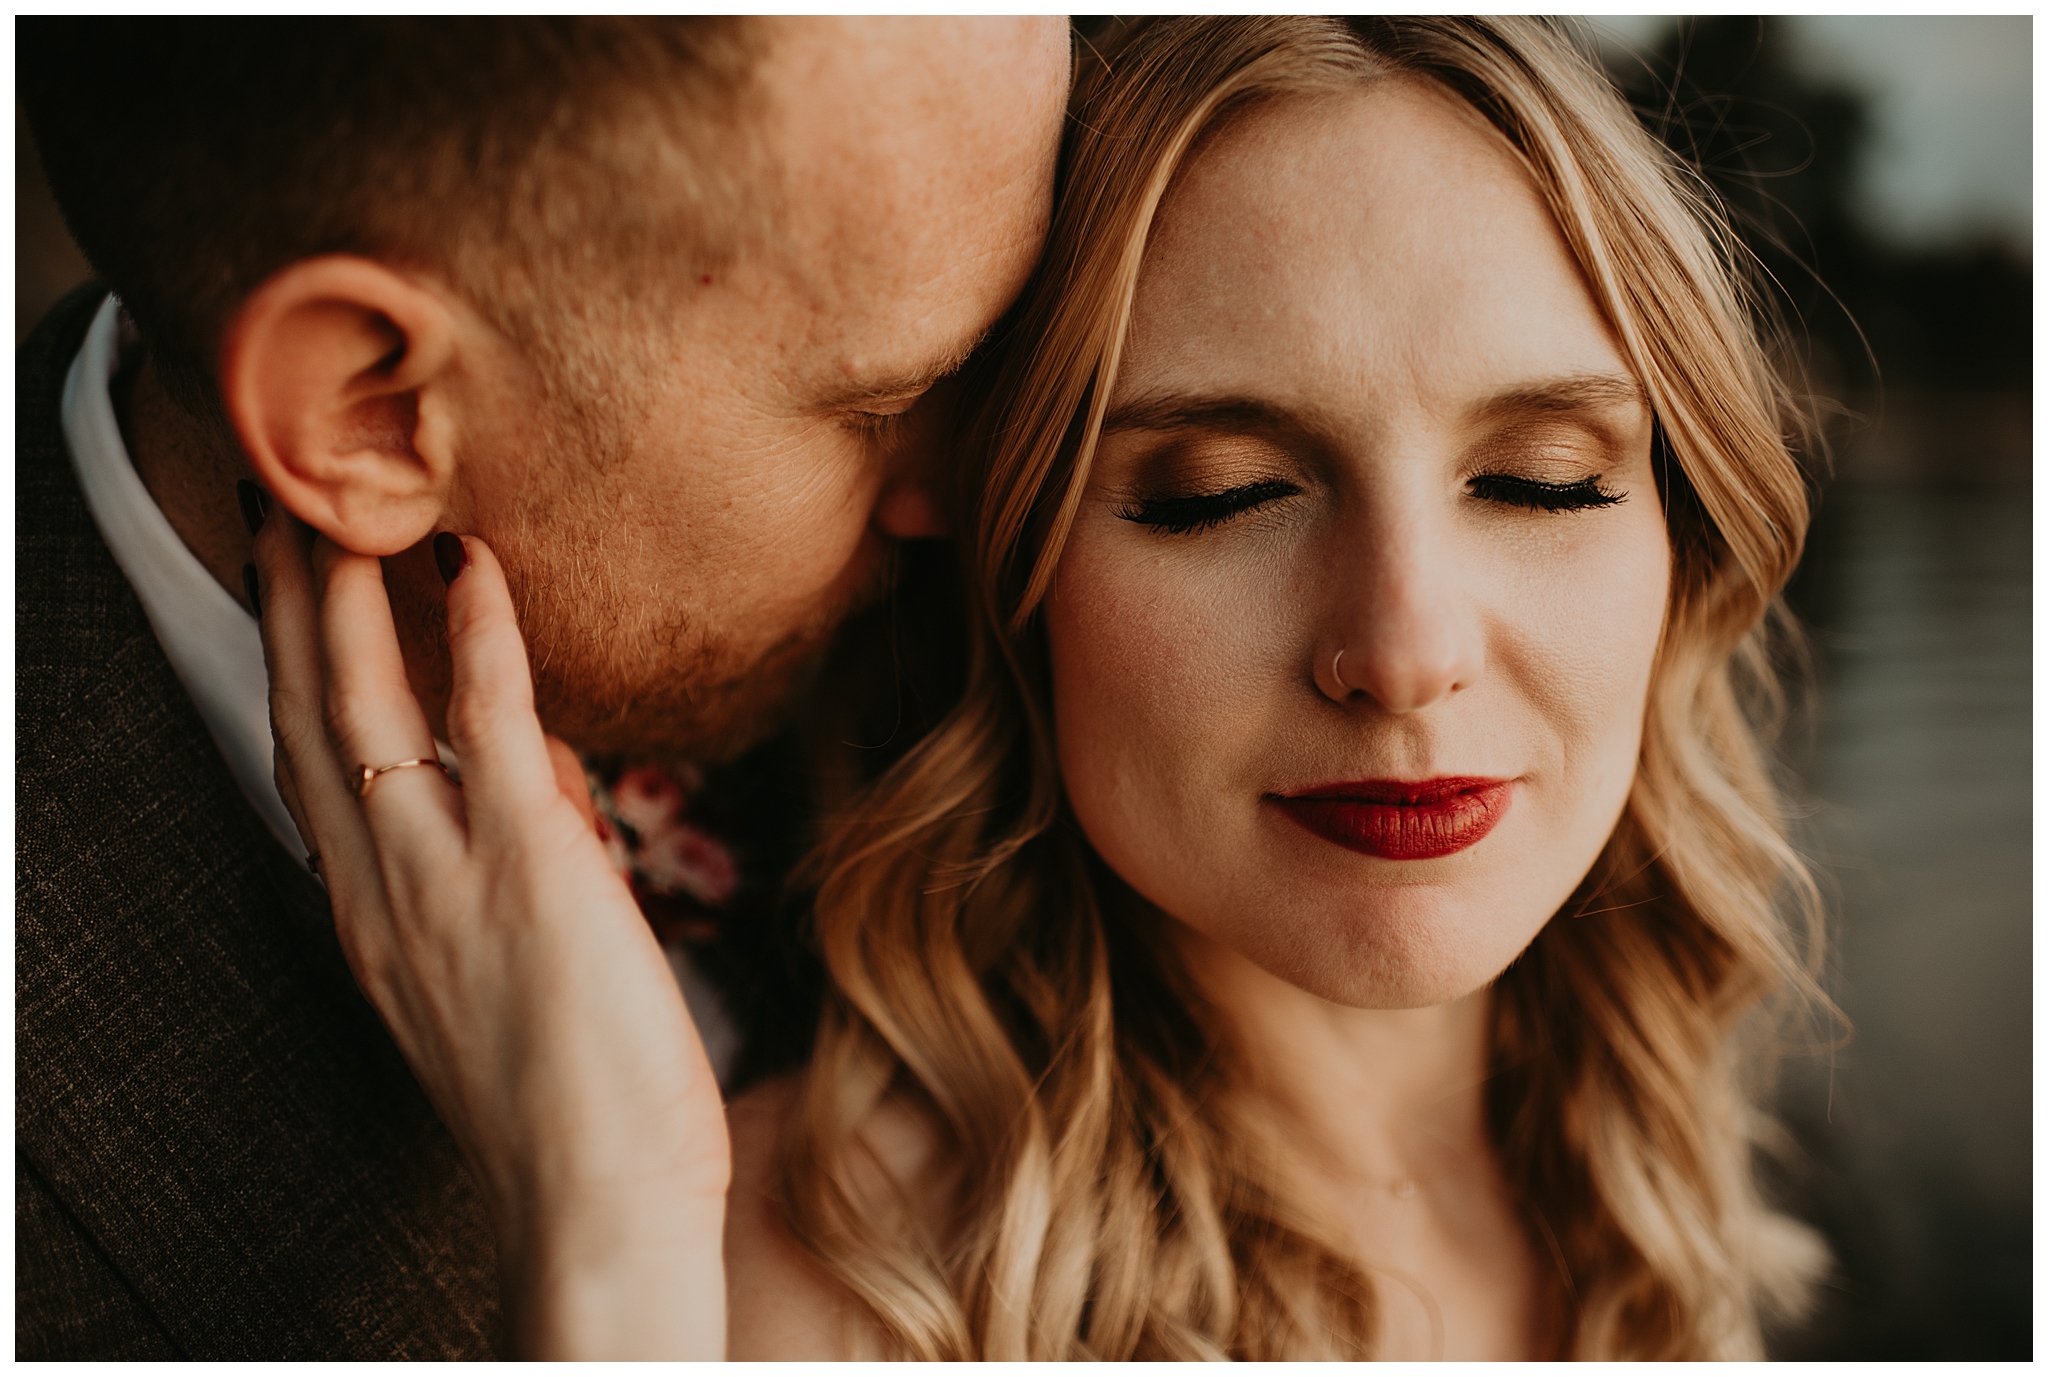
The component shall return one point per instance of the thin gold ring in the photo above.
(365, 775)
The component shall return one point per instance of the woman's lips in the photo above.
(1401, 820)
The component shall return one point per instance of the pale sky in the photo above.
(1951, 151)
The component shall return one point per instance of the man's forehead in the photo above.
(910, 134)
(914, 162)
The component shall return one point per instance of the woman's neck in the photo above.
(1378, 1097)
(1377, 1122)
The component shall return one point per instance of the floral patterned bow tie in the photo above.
(681, 875)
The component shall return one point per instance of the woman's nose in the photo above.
(1405, 633)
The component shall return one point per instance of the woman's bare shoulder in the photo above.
(780, 1303)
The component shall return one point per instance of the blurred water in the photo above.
(1920, 1132)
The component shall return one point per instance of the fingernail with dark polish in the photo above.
(249, 587)
(254, 507)
(450, 555)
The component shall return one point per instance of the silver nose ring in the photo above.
(1337, 671)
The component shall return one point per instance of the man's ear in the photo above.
(335, 375)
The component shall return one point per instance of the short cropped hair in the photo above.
(530, 163)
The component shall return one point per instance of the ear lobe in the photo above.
(333, 373)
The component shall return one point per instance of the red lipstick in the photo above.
(1400, 820)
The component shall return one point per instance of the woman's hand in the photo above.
(508, 959)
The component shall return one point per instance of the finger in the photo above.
(327, 818)
(288, 790)
(372, 715)
(569, 777)
(506, 770)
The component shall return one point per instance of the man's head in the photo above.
(642, 303)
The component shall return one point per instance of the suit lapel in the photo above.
(196, 1075)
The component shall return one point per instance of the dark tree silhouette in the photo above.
(1782, 148)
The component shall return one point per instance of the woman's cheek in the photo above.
(1581, 655)
(1634, 572)
(1155, 660)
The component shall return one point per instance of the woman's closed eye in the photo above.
(1190, 512)
(1540, 496)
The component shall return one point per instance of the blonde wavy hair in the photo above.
(1110, 1196)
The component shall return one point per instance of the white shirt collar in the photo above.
(211, 642)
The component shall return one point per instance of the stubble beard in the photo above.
(624, 669)
(620, 668)
(665, 689)
(620, 671)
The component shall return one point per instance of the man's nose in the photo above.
(1403, 630)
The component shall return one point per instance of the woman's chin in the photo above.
(1397, 959)
(1406, 972)
(1370, 933)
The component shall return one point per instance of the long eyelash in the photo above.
(1540, 496)
(1201, 511)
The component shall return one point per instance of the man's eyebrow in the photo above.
(1584, 392)
(890, 389)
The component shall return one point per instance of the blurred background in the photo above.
(1882, 172)
(1881, 169)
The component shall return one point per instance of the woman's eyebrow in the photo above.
(1194, 411)
(1189, 411)
(1583, 392)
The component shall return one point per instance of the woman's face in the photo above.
(1352, 637)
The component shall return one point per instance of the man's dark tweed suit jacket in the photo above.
(218, 1151)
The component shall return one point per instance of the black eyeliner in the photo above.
(1539, 496)
(1200, 511)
